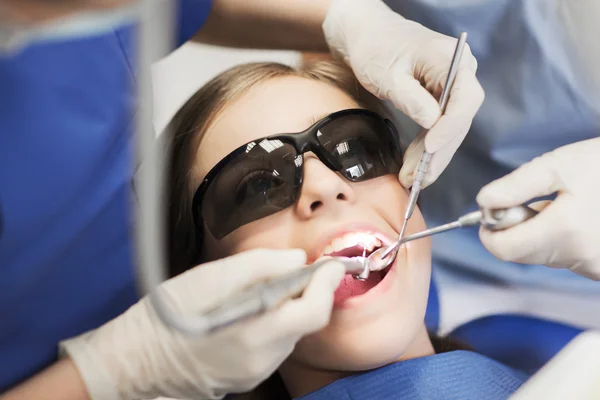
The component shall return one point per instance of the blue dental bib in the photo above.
(456, 375)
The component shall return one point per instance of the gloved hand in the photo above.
(404, 62)
(566, 233)
(135, 356)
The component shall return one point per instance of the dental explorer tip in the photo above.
(364, 275)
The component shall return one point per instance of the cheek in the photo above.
(273, 232)
(387, 197)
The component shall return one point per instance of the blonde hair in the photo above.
(195, 117)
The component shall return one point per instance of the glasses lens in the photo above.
(364, 145)
(259, 182)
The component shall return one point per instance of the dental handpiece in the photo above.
(267, 295)
(423, 165)
(492, 219)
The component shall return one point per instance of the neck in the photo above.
(301, 379)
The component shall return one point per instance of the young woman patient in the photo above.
(325, 181)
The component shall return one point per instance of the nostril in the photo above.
(315, 205)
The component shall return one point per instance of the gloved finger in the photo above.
(465, 99)
(411, 159)
(243, 269)
(408, 95)
(312, 311)
(440, 160)
(437, 165)
(533, 179)
(469, 59)
(529, 242)
(468, 65)
(447, 134)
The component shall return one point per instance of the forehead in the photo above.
(280, 105)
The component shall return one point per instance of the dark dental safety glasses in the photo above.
(265, 176)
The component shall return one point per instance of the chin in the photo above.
(351, 352)
(363, 346)
(374, 329)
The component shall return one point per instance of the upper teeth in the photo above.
(363, 239)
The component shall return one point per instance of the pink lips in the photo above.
(352, 292)
(323, 241)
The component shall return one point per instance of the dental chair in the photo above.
(514, 347)
(517, 341)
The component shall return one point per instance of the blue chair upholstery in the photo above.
(518, 341)
(432, 315)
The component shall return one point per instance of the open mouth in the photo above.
(355, 244)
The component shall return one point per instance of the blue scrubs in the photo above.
(66, 256)
(535, 102)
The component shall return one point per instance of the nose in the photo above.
(323, 190)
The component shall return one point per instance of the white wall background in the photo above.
(177, 77)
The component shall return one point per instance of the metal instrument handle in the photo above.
(258, 298)
(423, 165)
(417, 184)
(267, 295)
(495, 220)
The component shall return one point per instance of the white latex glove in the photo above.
(404, 62)
(566, 233)
(136, 357)
(573, 373)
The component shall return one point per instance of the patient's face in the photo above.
(374, 322)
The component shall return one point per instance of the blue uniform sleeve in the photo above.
(192, 15)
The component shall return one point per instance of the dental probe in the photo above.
(364, 275)
(426, 157)
(267, 295)
(494, 220)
